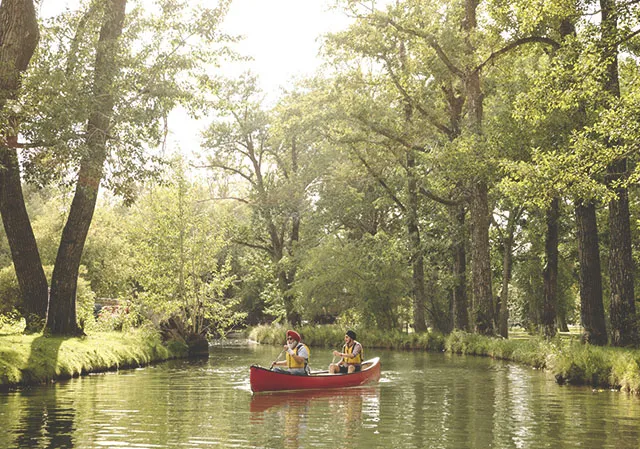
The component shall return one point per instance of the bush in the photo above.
(9, 291)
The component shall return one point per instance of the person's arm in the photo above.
(298, 357)
(339, 354)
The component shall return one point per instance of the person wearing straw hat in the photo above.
(297, 356)
(352, 356)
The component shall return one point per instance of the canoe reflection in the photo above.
(346, 410)
(265, 401)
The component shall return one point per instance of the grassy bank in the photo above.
(568, 360)
(34, 359)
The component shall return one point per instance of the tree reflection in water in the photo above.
(45, 421)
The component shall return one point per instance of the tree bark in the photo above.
(61, 319)
(480, 255)
(19, 34)
(622, 311)
(481, 266)
(550, 273)
(460, 298)
(18, 39)
(415, 247)
(591, 306)
(22, 242)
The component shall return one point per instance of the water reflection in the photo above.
(430, 401)
(295, 413)
(44, 422)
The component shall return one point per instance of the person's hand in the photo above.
(286, 347)
(337, 354)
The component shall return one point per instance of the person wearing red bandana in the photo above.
(297, 357)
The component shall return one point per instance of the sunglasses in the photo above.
(290, 338)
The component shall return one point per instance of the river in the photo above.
(423, 400)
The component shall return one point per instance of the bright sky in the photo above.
(280, 35)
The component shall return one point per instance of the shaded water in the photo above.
(423, 400)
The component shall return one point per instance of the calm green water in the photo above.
(422, 401)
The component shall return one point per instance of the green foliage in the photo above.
(180, 266)
(566, 359)
(531, 351)
(332, 336)
(583, 364)
(167, 50)
(364, 281)
(9, 291)
(10, 296)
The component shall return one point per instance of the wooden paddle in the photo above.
(279, 355)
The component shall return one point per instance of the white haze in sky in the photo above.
(282, 37)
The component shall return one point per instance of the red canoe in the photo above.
(263, 379)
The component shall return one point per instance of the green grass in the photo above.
(31, 359)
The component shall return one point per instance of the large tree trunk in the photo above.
(18, 40)
(22, 242)
(415, 247)
(61, 319)
(622, 310)
(460, 299)
(480, 259)
(591, 306)
(480, 255)
(550, 273)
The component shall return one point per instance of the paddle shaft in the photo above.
(279, 355)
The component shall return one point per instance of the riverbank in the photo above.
(37, 359)
(566, 359)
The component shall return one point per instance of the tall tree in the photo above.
(62, 310)
(273, 161)
(591, 305)
(96, 128)
(18, 39)
(624, 326)
(550, 272)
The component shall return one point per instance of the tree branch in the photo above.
(229, 169)
(408, 98)
(432, 42)
(253, 245)
(515, 44)
(432, 196)
(378, 178)
(389, 135)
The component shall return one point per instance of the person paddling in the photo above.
(352, 356)
(297, 357)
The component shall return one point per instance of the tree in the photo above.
(182, 260)
(61, 318)
(18, 39)
(624, 326)
(269, 161)
(95, 129)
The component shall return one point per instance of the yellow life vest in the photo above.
(291, 362)
(359, 357)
